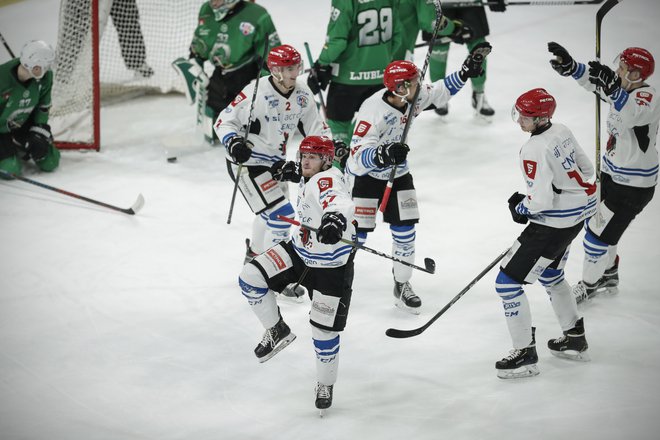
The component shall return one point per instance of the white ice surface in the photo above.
(120, 327)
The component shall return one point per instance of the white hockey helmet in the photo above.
(37, 53)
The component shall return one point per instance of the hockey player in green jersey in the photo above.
(25, 85)
(361, 39)
(231, 35)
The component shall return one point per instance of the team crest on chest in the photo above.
(530, 168)
(324, 183)
(246, 28)
(239, 98)
(643, 98)
(302, 101)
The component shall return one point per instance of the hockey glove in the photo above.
(472, 66)
(319, 77)
(341, 153)
(286, 171)
(393, 153)
(604, 77)
(240, 149)
(333, 225)
(462, 33)
(513, 201)
(38, 141)
(563, 64)
(498, 6)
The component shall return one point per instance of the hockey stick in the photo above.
(313, 73)
(137, 205)
(411, 110)
(4, 43)
(429, 264)
(401, 334)
(247, 128)
(468, 4)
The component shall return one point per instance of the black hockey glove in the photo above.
(499, 6)
(333, 225)
(604, 77)
(286, 171)
(393, 153)
(319, 77)
(462, 33)
(472, 66)
(513, 201)
(564, 64)
(38, 141)
(341, 153)
(239, 149)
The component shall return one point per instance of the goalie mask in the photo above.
(37, 57)
(222, 7)
(400, 74)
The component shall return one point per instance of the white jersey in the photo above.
(556, 172)
(380, 123)
(326, 191)
(631, 156)
(275, 119)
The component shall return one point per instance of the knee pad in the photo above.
(507, 288)
(594, 247)
(551, 277)
(252, 283)
(326, 344)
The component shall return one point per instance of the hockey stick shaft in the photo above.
(430, 264)
(400, 334)
(131, 211)
(468, 4)
(411, 109)
(313, 73)
(4, 43)
(247, 128)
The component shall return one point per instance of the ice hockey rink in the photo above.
(133, 327)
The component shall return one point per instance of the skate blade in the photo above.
(279, 347)
(580, 356)
(322, 412)
(519, 373)
(412, 310)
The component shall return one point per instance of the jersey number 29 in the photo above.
(375, 26)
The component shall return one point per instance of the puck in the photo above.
(171, 159)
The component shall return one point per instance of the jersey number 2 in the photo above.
(375, 26)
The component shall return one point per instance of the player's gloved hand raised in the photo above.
(240, 149)
(473, 65)
(38, 141)
(563, 64)
(497, 6)
(604, 77)
(513, 201)
(341, 152)
(393, 153)
(319, 77)
(333, 225)
(286, 171)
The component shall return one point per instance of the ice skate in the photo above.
(274, 340)
(520, 362)
(249, 255)
(573, 345)
(482, 109)
(406, 298)
(323, 397)
(608, 284)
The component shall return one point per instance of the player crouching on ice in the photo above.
(322, 264)
(24, 104)
(558, 200)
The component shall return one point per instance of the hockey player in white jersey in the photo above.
(376, 146)
(629, 164)
(283, 105)
(319, 261)
(559, 198)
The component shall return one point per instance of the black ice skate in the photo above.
(274, 340)
(608, 283)
(481, 106)
(520, 362)
(323, 397)
(249, 255)
(573, 345)
(406, 298)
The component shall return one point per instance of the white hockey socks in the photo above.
(597, 258)
(326, 345)
(260, 297)
(516, 310)
(564, 305)
(403, 248)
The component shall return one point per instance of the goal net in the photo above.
(114, 49)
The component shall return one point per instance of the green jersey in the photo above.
(22, 101)
(235, 40)
(361, 39)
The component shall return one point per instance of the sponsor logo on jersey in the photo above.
(223, 27)
(530, 168)
(643, 98)
(302, 101)
(390, 119)
(239, 98)
(361, 128)
(324, 183)
(369, 74)
(246, 28)
(267, 185)
(276, 259)
(323, 308)
(365, 210)
(410, 203)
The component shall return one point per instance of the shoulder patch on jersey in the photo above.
(530, 168)
(239, 98)
(361, 128)
(324, 183)
(643, 98)
(302, 101)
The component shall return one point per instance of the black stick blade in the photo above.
(402, 334)
(429, 264)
